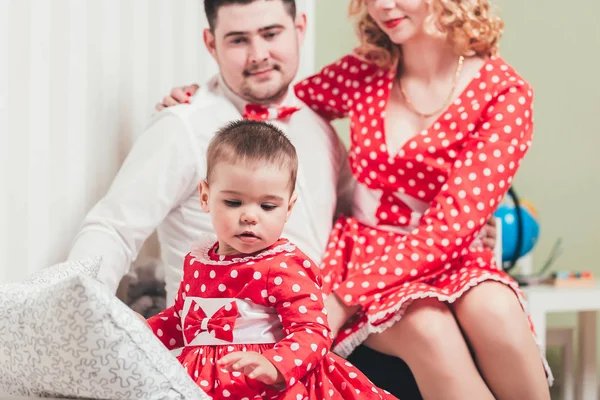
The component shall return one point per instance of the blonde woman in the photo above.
(439, 126)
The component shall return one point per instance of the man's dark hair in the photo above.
(211, 7)
(252, 141)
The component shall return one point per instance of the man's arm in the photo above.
(161, 170)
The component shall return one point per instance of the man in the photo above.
(256, 45)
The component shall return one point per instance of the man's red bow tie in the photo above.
(256, 112)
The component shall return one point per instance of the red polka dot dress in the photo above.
(419, 206)
(270, 303)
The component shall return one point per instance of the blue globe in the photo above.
(530, 227)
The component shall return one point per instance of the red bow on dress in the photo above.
(255, 112)
(220, 325)
(393, 211)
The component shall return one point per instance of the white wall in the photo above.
(78, 82)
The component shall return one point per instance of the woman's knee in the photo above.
(428, 322)
(492, 311)
(427, 333)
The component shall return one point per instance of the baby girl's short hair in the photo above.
(252, 141)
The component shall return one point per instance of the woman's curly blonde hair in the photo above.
(469, 25)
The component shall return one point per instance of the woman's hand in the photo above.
(338, 313)
(179, 95)
(253, 365)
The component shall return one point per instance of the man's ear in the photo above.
(300, 25)
(210, 43)
(291, 204)
(203, 190)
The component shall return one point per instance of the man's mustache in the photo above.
(253, 69)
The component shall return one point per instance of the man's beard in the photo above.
(271, 97)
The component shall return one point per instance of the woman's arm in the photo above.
(331, 92)
(178, 95)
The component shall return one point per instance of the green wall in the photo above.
(556, 47)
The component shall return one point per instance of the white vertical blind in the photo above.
(78, 83)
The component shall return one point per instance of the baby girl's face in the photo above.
(249, 204)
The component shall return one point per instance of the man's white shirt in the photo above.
(157, 186)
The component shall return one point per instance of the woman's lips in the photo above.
(392, 23)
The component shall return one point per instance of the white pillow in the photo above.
(67, 335)
(88, 267)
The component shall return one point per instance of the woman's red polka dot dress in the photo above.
(419, 208)
(270, 303)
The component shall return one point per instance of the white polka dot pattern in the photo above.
(286, 280)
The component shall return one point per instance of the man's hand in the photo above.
(488, 233)
(253, 365)
(179, 95)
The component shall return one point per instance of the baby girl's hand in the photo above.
(140, 316)
(253, 365)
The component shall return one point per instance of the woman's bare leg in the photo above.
(498, 331)
(429, 340)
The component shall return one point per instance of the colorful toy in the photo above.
(572, 279)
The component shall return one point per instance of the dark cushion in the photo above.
(389, 373)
